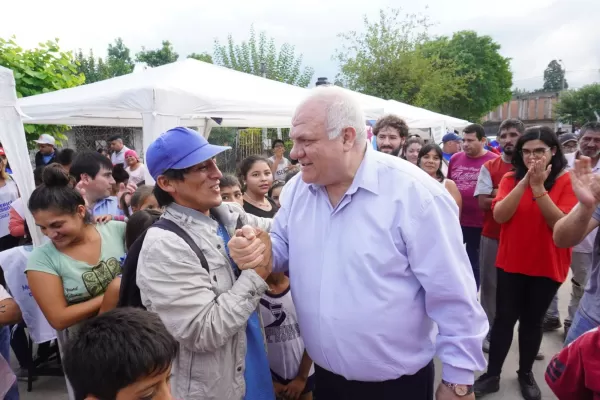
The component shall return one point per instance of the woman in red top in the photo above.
(531, 268)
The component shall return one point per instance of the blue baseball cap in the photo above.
(450, 137)
(179, 148)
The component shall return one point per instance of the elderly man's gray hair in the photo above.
(343, 110)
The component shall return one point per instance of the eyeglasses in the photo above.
(535, 152)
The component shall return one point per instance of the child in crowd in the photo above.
(231, 190)
(255, 173)
(142, 199)
(292, 369)
(275, 191)
(124, 354)
(139, 222)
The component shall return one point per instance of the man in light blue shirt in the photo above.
(93, 174)
(377, 265)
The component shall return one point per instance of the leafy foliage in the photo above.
(487, 73)
(259, 56)
(40, 70)
(202, 57)
(155, 58)
(389, 61)
(579, 106)
(118, 62)
(554, 77)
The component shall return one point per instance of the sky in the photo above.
(530, 32)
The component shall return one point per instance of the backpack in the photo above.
(129, 294)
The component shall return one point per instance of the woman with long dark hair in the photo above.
(530, 200)
(257, 177)
(411, 149)
(430, 160)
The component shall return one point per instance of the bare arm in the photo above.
(10, 313)
(48, 292)
(274, 165)
(570, 230)
(506, 208)
(455, 193)
(111, 296)
(305, 366)
(549, 210)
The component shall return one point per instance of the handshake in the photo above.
(250, 248)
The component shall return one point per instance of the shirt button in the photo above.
(252, 293)
(218, 246)
(215, 278)
(239, 369)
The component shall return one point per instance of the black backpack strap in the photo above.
(171, 226)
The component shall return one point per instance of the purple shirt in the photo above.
(378, 277)
(464, 171)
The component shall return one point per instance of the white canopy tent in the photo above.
(12, 136)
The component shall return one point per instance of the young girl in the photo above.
(411, 150)
(69, 275)
(139, 222)
(142, 199)
(255, 172)
(431, 160)
(291, 367)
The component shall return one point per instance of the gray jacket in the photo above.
(206, 312)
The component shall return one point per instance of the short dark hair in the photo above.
(115, 137)
(55, 192)
(138, 223)
(116, 349)
(290, 175)
(164, 198)
(119, 174)
(425, 150)
(65, 157)
(89, 163)
(589, 126)
(546, 135)
(276, 185)
(228, 180)
(510, 124)
(476, 129)
(391, 121)
(276, 142)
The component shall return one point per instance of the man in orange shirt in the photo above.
(487, 185)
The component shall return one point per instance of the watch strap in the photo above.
(459, 389)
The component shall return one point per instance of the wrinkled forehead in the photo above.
(309, 121)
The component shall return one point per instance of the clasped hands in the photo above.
(250, 248)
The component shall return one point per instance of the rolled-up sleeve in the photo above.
(180, 292)
(439, 261)
(279, 237)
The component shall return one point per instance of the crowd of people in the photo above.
(338, 274)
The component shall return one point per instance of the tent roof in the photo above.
(189, 89)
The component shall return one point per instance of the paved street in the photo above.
(51, 388)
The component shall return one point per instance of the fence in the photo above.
(92, 138)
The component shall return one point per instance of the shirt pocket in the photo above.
(221, 276)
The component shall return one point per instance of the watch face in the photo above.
(461, 390)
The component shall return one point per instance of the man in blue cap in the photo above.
(212, 314)
(450, 145)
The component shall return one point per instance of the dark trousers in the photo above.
(419, 386)
(472, 238)
(525, 299)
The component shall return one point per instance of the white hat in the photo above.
(46, 139)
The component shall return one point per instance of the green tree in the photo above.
(119, 59)
(202, 57)
(40, 70)
(554, 77)
(477, 59)
(259, 56)
(579, 106)
(155, 58)
(388, 61)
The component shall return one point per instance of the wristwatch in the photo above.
(459, 390)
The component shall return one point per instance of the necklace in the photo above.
(264, 204)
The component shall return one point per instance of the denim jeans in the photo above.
(581, 324)
(13, 393)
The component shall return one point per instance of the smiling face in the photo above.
(431, 162)
(259, 178)
(412, 152)
(131, 161)
(60, 227)
(534, 150)
(322, 160)
(389, 141)
(232, 194)
(199, 190)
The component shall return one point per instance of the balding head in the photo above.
(329, 135)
